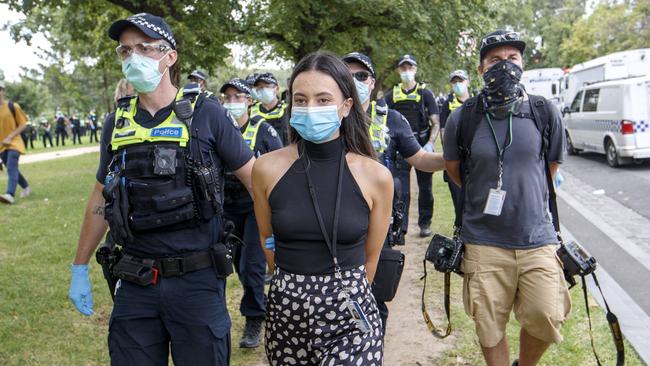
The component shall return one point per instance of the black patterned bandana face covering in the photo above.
(502, 87)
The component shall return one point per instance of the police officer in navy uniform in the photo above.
(390, 132)
(417, 103)
(199, 77)
(158, 186)
(272, 109)
(238, 208)
(459, 81)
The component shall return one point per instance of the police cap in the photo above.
(360, 58)
(407, 58)
(152, 26)
(238, 84)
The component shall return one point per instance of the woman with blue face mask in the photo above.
(328, 203)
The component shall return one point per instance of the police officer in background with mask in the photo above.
(390, 132)
(199, 77)
(459, 93)
(417, 103)
(249, 259)
(272, 109)
(159, 188)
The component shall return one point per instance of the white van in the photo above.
(544, 82)
(611, 118)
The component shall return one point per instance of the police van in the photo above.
(618, 65)
(611, 118)
(544, 82)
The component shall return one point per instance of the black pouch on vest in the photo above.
(172, 200)
(388, 275)
(140, 272)
(221, 260)
(162, 221)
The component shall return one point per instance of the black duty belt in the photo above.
(177, 266)
(145, 271)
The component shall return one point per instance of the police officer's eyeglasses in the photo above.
(145, 49)
(361, 75)
(496, 38)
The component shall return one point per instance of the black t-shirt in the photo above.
(219, 140)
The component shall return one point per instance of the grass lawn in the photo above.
(38, 238)
(38, 146)
(575, 350)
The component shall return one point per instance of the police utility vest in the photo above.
(378, 130)
(274, 117)
(233, 188)
(153, 183)
(411, 106)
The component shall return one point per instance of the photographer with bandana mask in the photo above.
(510, 242)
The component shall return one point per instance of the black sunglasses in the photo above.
(361, 75)
(497, 38)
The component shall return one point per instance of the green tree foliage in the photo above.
(612, 27)
(382, 29)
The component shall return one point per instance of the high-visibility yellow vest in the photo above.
(378, 129)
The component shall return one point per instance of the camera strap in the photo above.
(612, 320)
(437, 332)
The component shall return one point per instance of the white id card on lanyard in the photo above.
(494, 203)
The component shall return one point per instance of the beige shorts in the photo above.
(530, 281)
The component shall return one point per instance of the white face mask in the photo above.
(266, 95)
(236, 109)
(407, 76)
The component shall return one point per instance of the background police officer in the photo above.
(272, 109)
(388, 122)
(417, 103)
(459, 93)
(173, 287)
(199, 77)
(238, 208)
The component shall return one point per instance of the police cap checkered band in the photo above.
(267, 78)
(197, 74)
(151, 25)
(238, 84)
(360, 58)
(407, 58)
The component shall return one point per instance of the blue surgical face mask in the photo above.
(459, 89)
(142, 72)
(266, 95)
(315, 124)
(254, 94)
(363, 90)
(407, 76)
(236, 109)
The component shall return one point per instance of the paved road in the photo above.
(608, 211)
(629, 185)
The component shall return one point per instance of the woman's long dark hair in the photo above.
(354, 127)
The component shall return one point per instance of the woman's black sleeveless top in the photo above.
(299, 244)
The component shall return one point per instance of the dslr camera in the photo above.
(576, 261)
(445, 253)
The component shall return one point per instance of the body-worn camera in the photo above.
(445, 253)
(164, 161)
(208, 184)
(576, 261)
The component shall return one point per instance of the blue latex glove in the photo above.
(270, 243)
(559, 178)
(428, 147)
(80, 293)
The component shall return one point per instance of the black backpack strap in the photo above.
(542, 116)
(471, 115)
